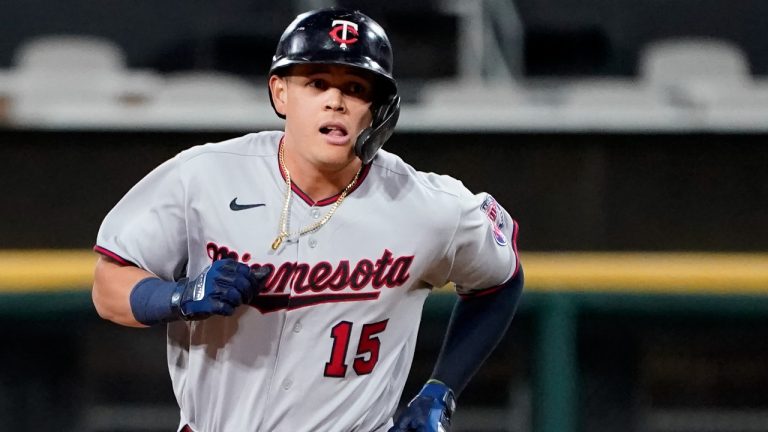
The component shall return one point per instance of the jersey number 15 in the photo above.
(368, 346)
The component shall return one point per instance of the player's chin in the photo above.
(337, 145)
(337, 156)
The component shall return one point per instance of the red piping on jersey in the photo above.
(324, 201)
(113, 255)
(515, 230)
(482, 292)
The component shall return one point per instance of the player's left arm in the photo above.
(482, 252)
(476, 326)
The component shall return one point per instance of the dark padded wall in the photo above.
(567, 191)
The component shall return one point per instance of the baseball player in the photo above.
(291, 267)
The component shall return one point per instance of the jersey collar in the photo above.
(325, 201)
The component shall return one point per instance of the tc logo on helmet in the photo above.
(348, 31)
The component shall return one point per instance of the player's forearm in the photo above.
(476, 327)
(112, 287)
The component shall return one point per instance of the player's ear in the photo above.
(277, 88)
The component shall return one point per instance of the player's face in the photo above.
(326, 108)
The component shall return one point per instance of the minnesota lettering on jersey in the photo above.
(294, 285)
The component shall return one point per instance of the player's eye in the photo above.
(317, 83)
(358, 90)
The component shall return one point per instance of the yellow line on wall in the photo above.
(714, 273)
(642, 272)
(46, 270)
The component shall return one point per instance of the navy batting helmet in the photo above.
(350, 38)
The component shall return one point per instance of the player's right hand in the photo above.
(218, 290)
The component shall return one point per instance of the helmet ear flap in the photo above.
(372, 138)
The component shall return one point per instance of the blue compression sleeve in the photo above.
(151, 301)
(477, 325)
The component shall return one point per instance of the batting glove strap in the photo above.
(430, 411)
(178, 292)
(437, 390)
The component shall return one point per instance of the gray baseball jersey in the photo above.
(329, 345)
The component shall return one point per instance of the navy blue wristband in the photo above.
(152, 301)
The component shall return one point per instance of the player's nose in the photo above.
(334, 100)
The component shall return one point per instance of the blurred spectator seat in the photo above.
(209, 99)
(690, 72)
(208, 88)
(732, 107)
(711, 78)
(472, 93)
(619, 104)
(671, 61)
(69, 52)
(57, 79)
(549, 104)
(468, 105)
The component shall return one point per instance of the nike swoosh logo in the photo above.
(233, 205)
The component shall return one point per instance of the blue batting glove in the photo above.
(218, 290)
(429, 411)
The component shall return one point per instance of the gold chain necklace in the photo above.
(287, 205)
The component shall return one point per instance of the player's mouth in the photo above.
(335, 133)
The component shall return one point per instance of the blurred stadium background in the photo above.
(627, 137)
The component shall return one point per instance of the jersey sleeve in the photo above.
(483, 252)
(147, 227)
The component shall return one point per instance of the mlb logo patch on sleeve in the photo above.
(496, 216)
